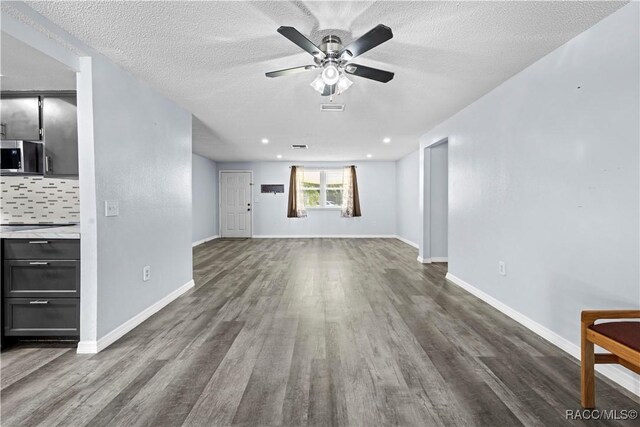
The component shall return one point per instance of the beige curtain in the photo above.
(296, 196)
(350, 196)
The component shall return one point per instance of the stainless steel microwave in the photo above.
(21, 157)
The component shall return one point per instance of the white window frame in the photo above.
(323, 190)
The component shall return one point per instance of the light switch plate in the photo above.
(111, 208)
(146, 273)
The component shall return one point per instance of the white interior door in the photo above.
(235, 204)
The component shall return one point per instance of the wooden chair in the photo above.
(621, 339)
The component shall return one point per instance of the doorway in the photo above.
(434, 202)
(439, 202)
(235, 204)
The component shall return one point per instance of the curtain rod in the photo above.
(329, 167)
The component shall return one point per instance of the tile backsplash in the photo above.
(38, 200)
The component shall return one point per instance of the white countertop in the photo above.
(61, 232)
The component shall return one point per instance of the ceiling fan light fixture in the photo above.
(343, 83)
(318, 84)
(330, 74)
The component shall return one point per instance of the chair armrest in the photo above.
(588, 317)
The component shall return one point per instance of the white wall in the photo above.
(376, 184)
(204, 199)
(142, 144)
(408, 216)
(544, 175)
(438, 202)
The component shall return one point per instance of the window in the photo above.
(322, 188)
(311, 188)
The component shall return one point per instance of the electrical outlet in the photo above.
(111, 208)
(146, 273)
(502, 268)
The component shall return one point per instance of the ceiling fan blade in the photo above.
(290, 71)
(296, 37)
(368, 72)
(371, 39)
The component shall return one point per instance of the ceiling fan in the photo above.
(335, 59)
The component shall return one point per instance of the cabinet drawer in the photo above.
(42, 317)
(45, 249)
(35, 279)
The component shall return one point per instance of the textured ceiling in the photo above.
(210, 57)
(25, 68)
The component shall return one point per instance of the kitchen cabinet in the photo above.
(41, 287)
(50, 117)
(47, 317)
(21, 117)
(41, 249)
(60, 124)
(26, 279)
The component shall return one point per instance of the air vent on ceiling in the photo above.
(332, 107)
(299, 146)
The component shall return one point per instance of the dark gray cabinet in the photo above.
(41, 249)
(42, 317)
(50, 117)
(20, 117)
(41, 287)
(48, 279)
(60, 123)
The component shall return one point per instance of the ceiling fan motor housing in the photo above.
(331, 46)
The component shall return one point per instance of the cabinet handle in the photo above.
(39, 242)
(46, 164)
(38, 263)
(39, 302)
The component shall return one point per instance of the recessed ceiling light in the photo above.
(369, 156)
(265, 141)
(386, 140)
(279, 156)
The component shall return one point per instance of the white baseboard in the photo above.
(199, 242)
(87, 347)
(433, 259)
(408, 242)
(97, 346)
(616, 375)
(326, 236)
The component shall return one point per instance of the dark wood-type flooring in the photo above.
(307, 332)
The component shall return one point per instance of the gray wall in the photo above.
(142, 144)
(544, 175)
(204, 198)
(438, 201)
(408, 215)
(376, 183)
